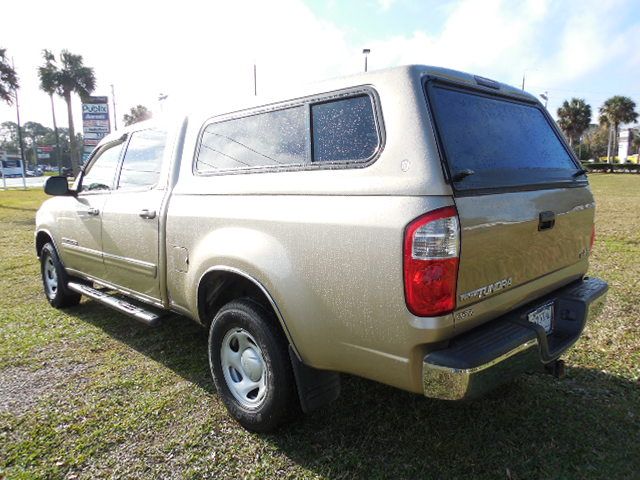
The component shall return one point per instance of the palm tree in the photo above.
(64, 78)
(574, 117)
(8, 78)
(613, 112)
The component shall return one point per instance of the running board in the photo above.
(145, 316)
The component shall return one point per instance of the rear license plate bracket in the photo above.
(543, 316)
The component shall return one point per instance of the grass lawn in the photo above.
(90, 393)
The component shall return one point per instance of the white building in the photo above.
(626, 152)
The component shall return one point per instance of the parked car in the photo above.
(418, 226)
(36, 172)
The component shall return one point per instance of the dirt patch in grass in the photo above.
(21, 388)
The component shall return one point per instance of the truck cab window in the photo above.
(142, 160)
(99, 175)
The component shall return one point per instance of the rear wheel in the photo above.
(250, 365)
(54, 279)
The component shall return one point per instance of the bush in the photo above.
(611, 167)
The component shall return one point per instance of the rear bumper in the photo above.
(481, 359)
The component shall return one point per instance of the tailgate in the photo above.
(504, 243)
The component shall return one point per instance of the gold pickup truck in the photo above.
(421, 227)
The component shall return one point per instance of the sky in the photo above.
(200, 53)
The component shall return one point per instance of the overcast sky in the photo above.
(203, 52)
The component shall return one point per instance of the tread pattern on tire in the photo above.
(64, 297)
(281, 404)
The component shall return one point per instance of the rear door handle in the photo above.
(148, 214)
(93, 211)
(546, 220)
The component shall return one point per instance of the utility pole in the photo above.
(161, 98)
(255, 81)
(115, 115)
(4, 181)
(545, 97)
(15, 94)
(366, 52)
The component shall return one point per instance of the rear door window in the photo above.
(498, 142)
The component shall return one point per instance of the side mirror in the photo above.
(58, 186)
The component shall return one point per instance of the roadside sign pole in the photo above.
(15, 93)
(95, 123)
(113, 101)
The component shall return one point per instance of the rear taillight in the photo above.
(593, 238)
(431, 253)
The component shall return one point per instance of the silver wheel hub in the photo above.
(251, 364)
(50, 277)
(243, 367)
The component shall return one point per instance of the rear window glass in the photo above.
(501, 143)
(344, 130)
(274, 138)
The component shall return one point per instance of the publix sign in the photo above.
(95, 123)
(95, 108)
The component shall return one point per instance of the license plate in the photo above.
(543, 316)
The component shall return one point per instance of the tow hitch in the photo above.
(556, 368)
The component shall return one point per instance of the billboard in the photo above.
(95, 123)
(44, 152)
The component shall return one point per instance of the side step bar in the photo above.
(145, 316)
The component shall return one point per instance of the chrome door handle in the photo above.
(148, 214)
(93, 211)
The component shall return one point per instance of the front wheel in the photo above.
(250, 365)
(54, 279)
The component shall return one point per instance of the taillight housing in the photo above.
(431, 257)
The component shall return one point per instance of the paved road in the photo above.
(17, 182)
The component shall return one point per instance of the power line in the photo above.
(575, 92)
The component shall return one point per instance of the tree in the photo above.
(34, 133)
(594, 143)
(64, 78)
(9, 136)
(615, 111)
(574, 117)
(136, 114)
(8, 78)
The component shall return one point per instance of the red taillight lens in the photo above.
(431, 252)
(593, 238)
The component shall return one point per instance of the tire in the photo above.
(55, 278)
(249, 361)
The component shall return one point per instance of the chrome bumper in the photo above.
(480, 360)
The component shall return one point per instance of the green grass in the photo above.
(89, 393)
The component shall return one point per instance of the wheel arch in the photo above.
(42, 238)
(221, 284)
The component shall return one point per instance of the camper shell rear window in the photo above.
(494, 142)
